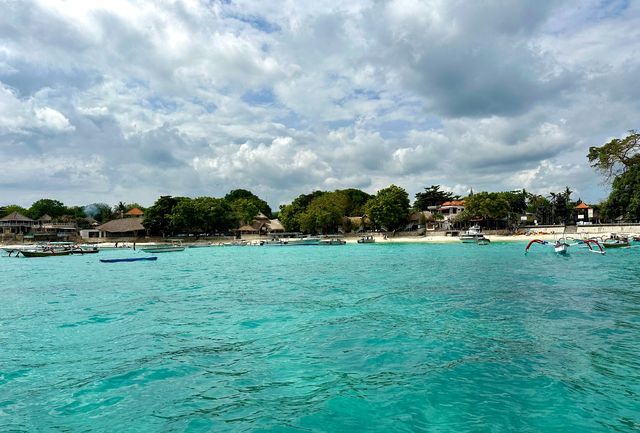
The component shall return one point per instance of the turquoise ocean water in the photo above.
(376, 338)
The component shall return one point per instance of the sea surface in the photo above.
(354, 338)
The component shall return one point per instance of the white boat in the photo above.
(561, 247)
(366, 240)
(293, 241)
(472, 235)
(163, 248)
(332, 240)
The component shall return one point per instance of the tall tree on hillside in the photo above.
(432, 196)
(389, 208)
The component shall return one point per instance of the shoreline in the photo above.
(379, 239)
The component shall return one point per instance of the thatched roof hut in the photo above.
(275, 226)
(247, 229)
(16, 223)
(16, 217)
(121, 227)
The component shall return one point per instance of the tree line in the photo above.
(388, 209)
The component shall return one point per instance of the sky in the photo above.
(127, 101)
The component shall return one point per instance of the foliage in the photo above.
(486, 205)
(245, 197)
(244, 210)
(432, 196)
(202, 215)
(13, 208)
(356, 201)
(47, 206)
(562, 208)
(289, 215)
(541, 207)
(624, 199)
(389, 208)
(615, 157)
(325, 212)
(157, 218)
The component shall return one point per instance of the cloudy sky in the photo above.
(126, 101)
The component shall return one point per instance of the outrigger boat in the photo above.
(561, 247)
(44, 253)
(616, 241)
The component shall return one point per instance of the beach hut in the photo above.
(125, 227)
(246, 229)
(16, 223)
(275, 226)
(45, 219)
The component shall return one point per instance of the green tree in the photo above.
(289, 214)
(214, 214)
(120, 209)
(619, 161)
(356, 201)
(244, 210)
(243, 194)
(13, 208)
(157, 218)
(324, 214)
(47, 206)
(486, 205)
(432, 196)
(389, 208)
(624, 199)
(202, 215)
(540, 207)
(617, 156)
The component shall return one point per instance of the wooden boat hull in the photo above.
(44, 253)
(615, 244)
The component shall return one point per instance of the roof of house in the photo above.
(453, 203)
(583, 205)
(135, 212)
(122, 225)
(415, 216)
(275, 225)
(15, 216)
(45, 218)
(261, 216)
(247, 228)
